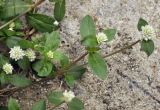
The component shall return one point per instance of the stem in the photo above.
(20, 15)
(16, 89)
(12, 90)
(78, 59)
(122, 49)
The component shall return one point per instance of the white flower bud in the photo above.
(56, 23)
(148, 32)
(50, 54)
(101, 37)
(16, 53)
(68, 96)
(7, 68)
(30, 54)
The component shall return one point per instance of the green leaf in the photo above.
(52, 41)
(98, 65)
(90, 41)
(8, 33)
(141, 23)
(73, 74)
(87, 27)
(3, 108)
(61, 57)
(43, 68)
(3, 60)
(56, 98)
(4, 79)
(40, 105)
(19, 80)
(42, 23)
(18, 24)
(12, 41)
(24, 63)
(25, 44)
(59, 10)
(13, 105)
(69, 80)
(76, 104)
(110, 33)
(147, 47)
(55, 1)
(13, 8)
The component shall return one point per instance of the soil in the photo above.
(133, 81)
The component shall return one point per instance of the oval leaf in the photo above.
(147, 47)
(41, 105)
(59, 10)
(97, 65)
(61, 57)
(25, 44)
(43, 68)
(24, 63)
(73, 74)
(13, 105)
(87, 27)
(141, 23)
(42, 23)
(13, 8)
(110, 33)
(12, 41)
(76, 104)
(56, 97)
(19, 80)
(52, 41)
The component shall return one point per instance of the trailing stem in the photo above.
(14, 89)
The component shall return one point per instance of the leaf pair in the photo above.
(13, 105)
(45, 66)
(57, 98)
(146, 46)
(88, 36)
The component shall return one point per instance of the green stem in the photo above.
(20, 15)
(74, 62)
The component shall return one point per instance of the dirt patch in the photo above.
(133, 82)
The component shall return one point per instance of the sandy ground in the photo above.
(133, 82)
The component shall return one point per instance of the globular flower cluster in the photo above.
(16, 53)
(101, 37)
(68, 95)
(50, 54)
(30, 54)
(148, 32)
(7, 68)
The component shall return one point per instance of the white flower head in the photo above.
(68, 95)
(30, 54)
(148, 32)
(56, 23)
(7, 68)
(50, 54)
(101, 37)
(16, 53)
